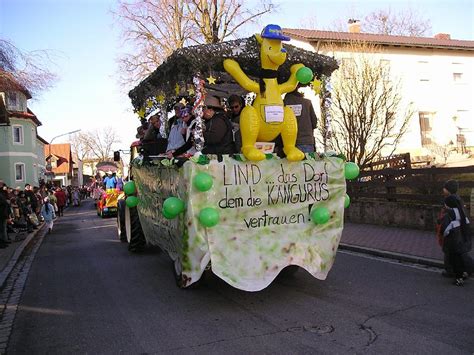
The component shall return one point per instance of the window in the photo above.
(19, 172)
(425, 127)
(35, 173)
(33, 137)
(457, 77)
(348, 67)
(17, 134)
(385, 63)
(12, 100)
(423, 71)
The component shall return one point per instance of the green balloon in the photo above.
(347, 201)
(351, 170)
(209, 217)
(131, 201)
(320, 215)
(203, 181)
(172, 206)
(304, 75)
(167, 215)
(129, 188)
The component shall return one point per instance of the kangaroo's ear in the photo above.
(258, 38)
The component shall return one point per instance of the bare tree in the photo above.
(368, 118)
(79, 144)
(221, 19)
(28, 69)
(407, 22)
(153, 29)
(403, 23)
(309, 22)
(96, 145)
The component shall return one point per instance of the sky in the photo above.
(85, 41)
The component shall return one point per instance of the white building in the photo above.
(437, 78)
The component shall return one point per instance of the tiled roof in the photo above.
(63, 152)
(8, 82)
(342, 37)
(29, 115)
(42, 140)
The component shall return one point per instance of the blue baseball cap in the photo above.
(274, 32)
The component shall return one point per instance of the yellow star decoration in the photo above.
(211, 80)
(149, 103)
(177, 89)
(183, 101)
(191, 91)
(141, 112)
(317, 86)
(160, 98)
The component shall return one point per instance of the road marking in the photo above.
(104, 226)
(78, 213)
(58, 312)
(391, 261)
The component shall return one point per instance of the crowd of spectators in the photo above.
(22, 209)
(221, 127)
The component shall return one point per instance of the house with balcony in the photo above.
(20, 163)
(437, 81)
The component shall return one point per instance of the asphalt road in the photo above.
(86, 293)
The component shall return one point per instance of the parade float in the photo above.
(107, 202)
(243, 217)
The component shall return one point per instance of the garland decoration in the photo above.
(207, 60)
(197, 111)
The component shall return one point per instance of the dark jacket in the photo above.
(305, 116)
(4, 207)
(33, 201)
(456, 240)
(151, 134)
(218, 135)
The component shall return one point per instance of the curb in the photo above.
(392, 255)
(16, 255)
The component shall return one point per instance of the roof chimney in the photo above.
(442, 36)
(354, 26)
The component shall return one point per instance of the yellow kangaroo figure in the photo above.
(268, 117)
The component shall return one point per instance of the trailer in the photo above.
(241, 219)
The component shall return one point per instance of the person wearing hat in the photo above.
(176, 135)
(188, 133)
(450, 188)
(218, 128)
(236, 105)
(47, 211)
(110, 181)
(177, 114)
(457, 241)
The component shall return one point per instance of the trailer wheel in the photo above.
(121, 221)
(289, 271)
(135, 237)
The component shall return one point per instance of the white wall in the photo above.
(428, 82)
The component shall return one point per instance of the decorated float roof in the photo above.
(173, 78)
